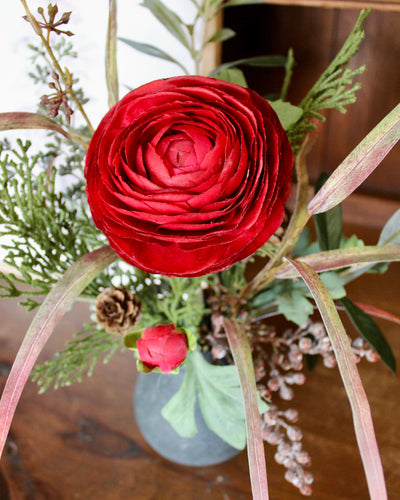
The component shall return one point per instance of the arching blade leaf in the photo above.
(343, 257)
(359, 164)
(22, 120)
(169, 19)
(111, 55)
(50, 312)
(221, 35)
(240, 348)
(371, 332)
(151, 50)
(363, 425)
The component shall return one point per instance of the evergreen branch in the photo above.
(334, 88)
(45, 231)
(79, 358)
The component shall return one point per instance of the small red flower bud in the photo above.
(164, 347)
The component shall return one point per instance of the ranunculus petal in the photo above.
(188, 175)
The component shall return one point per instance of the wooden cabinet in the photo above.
(316, 34)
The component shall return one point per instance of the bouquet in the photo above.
(169, 218)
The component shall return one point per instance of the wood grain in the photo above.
(316, 35)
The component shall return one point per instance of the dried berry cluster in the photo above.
(279, 359)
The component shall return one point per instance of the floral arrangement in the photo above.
(171, 221)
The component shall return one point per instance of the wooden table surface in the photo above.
(82, 442)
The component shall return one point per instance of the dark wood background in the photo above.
(316, 35)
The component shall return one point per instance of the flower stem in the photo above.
(241, 352)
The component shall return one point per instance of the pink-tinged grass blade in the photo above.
(378, 313)
(362, 418)
(22, 120)
(240, 348)
(360, 163)
(343, 257)
(111, 55)
(57, 302)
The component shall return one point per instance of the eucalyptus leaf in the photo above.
(232, 75)
(237, 3)
(295, 306)
(169, 19)
(151, 50)
(391, 231)
(288, 114)
(328, 224)
(258, 61)
(222, 35)
(371, 332)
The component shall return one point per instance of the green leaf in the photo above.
(151, 50)
(169, 19)
(179, 411)
(328, 224)
(370, 331)
(333, 282)
(294, 306)
(220, 401)
(360, 163)
(363, 425)
(391, 231)
(237, 3)
(258, 61)
(232, 75)
(222, 35)
(22, 120)
(287, 113)
(57, 302)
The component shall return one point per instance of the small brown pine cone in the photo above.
(117, 310)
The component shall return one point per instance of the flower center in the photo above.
(183, 151)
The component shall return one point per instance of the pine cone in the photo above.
(117, 310)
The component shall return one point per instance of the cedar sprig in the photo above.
(79, 358)
(334, 88)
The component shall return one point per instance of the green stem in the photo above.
(240, 348)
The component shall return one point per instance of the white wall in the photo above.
(88, 23)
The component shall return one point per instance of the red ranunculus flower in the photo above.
(188, 175)
(163, 347)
